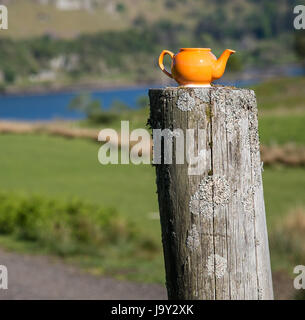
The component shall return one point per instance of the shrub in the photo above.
(9, 75)
(92, 109)
(120, 7)
(64, 227)
(142, 102)
(299, 45)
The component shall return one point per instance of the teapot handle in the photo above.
(161, 65)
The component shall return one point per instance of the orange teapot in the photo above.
(195, 67)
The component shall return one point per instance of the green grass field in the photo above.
(287, 94)
(64, 169)
(282, 128)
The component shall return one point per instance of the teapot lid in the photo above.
(195, 49)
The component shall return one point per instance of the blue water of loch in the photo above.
(55, 105)
(52, 106)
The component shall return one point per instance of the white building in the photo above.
(73, 4)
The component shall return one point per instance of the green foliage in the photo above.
(260, 19)
(299, 44)
(235, 63)
(300, 295)
(9, 75)
(84, 103)
(255, 27)
(120, 7)
(69, 168)
(91, 108)
(139, 21)
(118, 106)
(142, 102)
(125, 50)
(2, 88)
(64, 227)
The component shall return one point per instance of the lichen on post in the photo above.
(213, 224)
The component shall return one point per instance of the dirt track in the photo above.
(36, 277)
(39, 277)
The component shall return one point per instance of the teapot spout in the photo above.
(220, 65)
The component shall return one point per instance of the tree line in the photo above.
(255, 34)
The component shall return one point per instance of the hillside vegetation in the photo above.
(118, 42)
(45, 16)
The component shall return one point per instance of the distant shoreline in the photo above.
(41, 90)
(250, 75)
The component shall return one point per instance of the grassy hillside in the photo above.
(280, 95)
(42, 19)
(113, 15)
(105, 16)
(117, 42)
(281, 105)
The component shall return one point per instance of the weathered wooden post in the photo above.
(213, 224)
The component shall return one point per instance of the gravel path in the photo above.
(39, 277)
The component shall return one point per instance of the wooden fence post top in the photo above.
(213, 87)
(189, 97)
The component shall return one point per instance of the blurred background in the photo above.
(69, 68)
